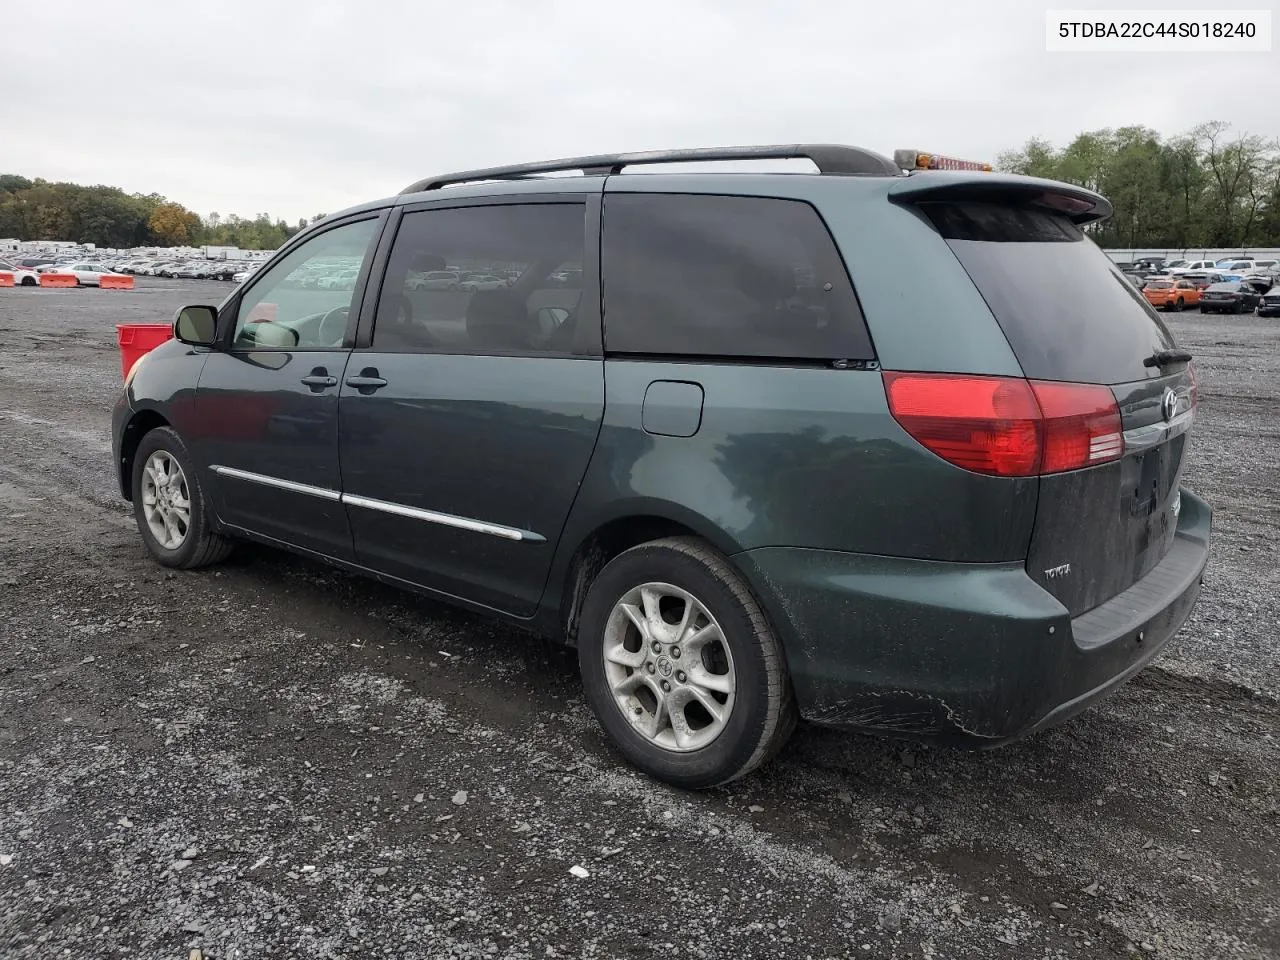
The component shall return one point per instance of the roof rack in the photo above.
(827, 157)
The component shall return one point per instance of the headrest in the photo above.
(498, 318)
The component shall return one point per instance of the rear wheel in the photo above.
(1179, 305)
(169, 504)
(681, 667)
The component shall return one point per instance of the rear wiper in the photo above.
(1162, 358)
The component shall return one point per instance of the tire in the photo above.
(199, 545)
(761, 710)
(1179, 306)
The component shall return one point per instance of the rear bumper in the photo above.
(974, 653)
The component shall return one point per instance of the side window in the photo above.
(302, 301)
(725, 277)
(491, 280)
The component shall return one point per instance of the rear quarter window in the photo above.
(722, 276)
(1066, 310)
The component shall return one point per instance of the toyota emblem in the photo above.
(1169, 404)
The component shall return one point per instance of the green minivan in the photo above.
(890, 445)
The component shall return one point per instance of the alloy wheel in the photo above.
(668, 665)
(166, 500)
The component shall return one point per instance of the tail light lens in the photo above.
(985, 424)
(1081, 425)
(1007, 426)
(1195, 385)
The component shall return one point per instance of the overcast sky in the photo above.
(308, 106)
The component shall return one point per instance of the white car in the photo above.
(1237, 265)
(86, 274)
(243, 275)
(1195, 265)
(22, 277)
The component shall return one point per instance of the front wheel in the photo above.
(1179, 305)
(169, 504)
(681, 666)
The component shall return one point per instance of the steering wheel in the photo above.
(333, 327)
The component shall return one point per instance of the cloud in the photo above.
(296, 109)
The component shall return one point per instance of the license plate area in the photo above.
(1152, 501)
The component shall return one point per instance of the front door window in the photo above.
(302, 302)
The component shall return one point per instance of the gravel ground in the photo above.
(274, 759)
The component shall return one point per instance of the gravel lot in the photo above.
(274, 759)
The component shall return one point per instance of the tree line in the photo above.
(109, 217)
(1209, 187)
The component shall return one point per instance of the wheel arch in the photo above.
(140, 424)
(587, 547)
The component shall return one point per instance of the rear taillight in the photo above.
(1195, 385)
(1007, 426)
(1081, 425)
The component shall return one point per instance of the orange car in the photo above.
(1171, 294)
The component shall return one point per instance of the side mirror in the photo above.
(196, 325)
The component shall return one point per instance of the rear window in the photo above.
(1065, 309)
(1159, 285)
(715, 276)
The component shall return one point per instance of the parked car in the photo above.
(1171, 294)
(744, 496)
(1269, 303)
(1208, 265)
(22, 276)
(482, 282)
(86, 274)
(1201, 279)
(435, 280)
(33, 263)
(1233, 296)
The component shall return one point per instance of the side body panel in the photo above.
(499, 440)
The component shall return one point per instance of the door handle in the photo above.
(367, 381)
(318, 381)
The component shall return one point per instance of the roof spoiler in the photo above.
(1079, 205)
